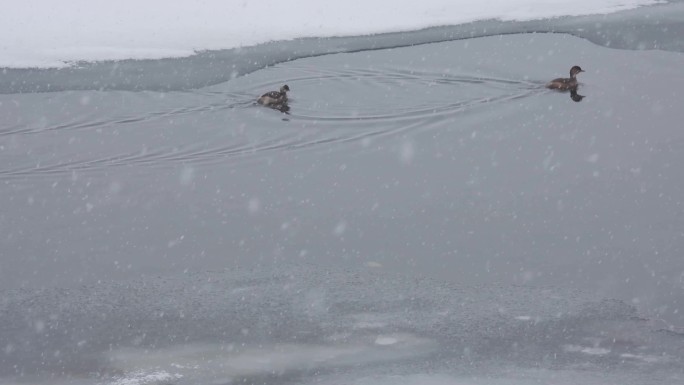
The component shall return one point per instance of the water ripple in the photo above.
(332, 103)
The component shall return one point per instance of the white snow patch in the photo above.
(143, 378)
(178, 366)
(593, 351)
(194, 359)
(646, 358)
(47, 33)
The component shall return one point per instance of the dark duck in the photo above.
(565, 84)
(275, 99)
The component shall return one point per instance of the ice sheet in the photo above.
(44, 33)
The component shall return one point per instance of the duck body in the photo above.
(562, 84)
(274, 98)
(565, 84)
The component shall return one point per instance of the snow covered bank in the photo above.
(44, 33)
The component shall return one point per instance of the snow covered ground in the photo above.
(45, 33)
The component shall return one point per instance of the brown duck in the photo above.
(565, 84)
(274, 98)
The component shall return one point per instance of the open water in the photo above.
(515, 234)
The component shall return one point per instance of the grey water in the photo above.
(303, 324)
(544, 234)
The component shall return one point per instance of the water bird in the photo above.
(275, 99)
(565, 84)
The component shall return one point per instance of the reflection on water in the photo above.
(333, 105)
(448, 160)
(575, 96)
(468, 159)
(284, 108)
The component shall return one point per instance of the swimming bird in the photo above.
(274, 99)
(565, 84)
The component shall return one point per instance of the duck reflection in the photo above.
(575, 96)
(285, 109)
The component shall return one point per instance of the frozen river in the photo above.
(425, 213)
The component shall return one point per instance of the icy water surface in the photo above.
(300, 325)
(447, 160)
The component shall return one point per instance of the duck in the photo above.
(564, 84)
(274, 98)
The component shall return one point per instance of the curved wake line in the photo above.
(197, 154)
